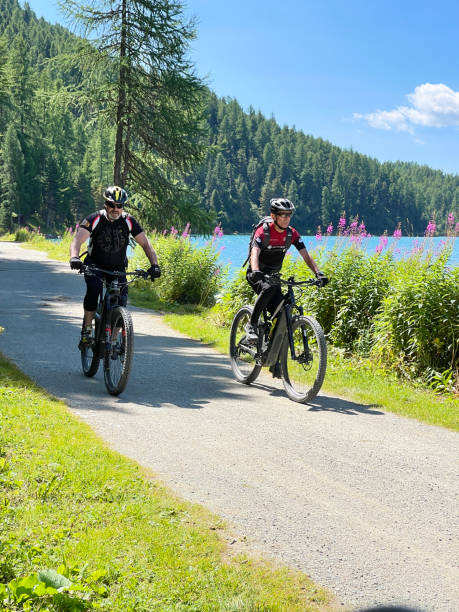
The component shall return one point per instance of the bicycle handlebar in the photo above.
(88, 269)
(291, 282)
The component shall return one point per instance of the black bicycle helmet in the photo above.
(115, 194)
(278, 205)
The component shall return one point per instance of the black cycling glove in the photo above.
(76, 263)
(154, 271)
(255, 276)
(322, 278)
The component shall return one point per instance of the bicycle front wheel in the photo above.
(118, 359)
(90, 355)
(242, 355)
(303, 372)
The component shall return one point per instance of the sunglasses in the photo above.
(285, 214)
(115, 205)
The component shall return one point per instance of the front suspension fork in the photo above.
(108, 347)
(290, 334)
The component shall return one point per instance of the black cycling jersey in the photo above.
(109, 239)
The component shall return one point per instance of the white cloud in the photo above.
(431, 105)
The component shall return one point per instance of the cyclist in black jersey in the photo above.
(108, 231)
(266, 257)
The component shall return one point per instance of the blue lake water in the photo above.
(233, 249)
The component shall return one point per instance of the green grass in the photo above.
(357, 380)
(71, 505)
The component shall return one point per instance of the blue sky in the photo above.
(377, 76)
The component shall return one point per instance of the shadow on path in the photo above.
(167, 371)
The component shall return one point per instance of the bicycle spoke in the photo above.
(242, 355)
(118, 360)
(304, 371)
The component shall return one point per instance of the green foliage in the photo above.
(22, 235)
(347, 306)
(238, 293)
(189, 275)
(417, 329)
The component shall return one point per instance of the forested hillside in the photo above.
(251, 159)
(55, 157)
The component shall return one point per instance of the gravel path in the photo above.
(363, 501)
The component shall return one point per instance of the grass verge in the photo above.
(83, 528)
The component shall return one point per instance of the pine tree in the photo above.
(11, 180)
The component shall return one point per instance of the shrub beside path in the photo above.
(363, 501)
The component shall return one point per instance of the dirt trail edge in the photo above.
(363, 501)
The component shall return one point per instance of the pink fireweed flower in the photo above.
(431, 228)
(353, 227)
(329, 229)
(186, 231)
(164, 232)
(450, 219)
(362, 229)
(382, 244)
(222, 248)
(397, 233)
(342, 223)
(417, 248)
(319, 234)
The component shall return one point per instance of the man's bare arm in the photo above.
(80, 237)
(146, 246)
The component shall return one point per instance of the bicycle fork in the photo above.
(108, 347)
(306, 355)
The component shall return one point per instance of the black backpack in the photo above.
(265, 222)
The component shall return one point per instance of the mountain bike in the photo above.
(292, 345)
(112, 338)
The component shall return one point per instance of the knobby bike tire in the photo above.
(117, 364)
(90, 357)
(243, 364)
(303, 380)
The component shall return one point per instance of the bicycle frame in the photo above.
(282, 319)
(103, 330)
(110, 294)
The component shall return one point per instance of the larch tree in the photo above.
(138, 78)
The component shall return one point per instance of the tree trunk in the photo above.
(121, 108)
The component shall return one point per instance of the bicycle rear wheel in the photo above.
(117, 362)
(90, 355)
(242, 355)
(304, 373)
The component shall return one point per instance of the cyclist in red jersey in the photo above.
(267, 258)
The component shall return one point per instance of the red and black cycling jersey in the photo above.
(109, 240)
(272, 255)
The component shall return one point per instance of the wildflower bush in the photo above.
(417, 329)
(189, 274)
